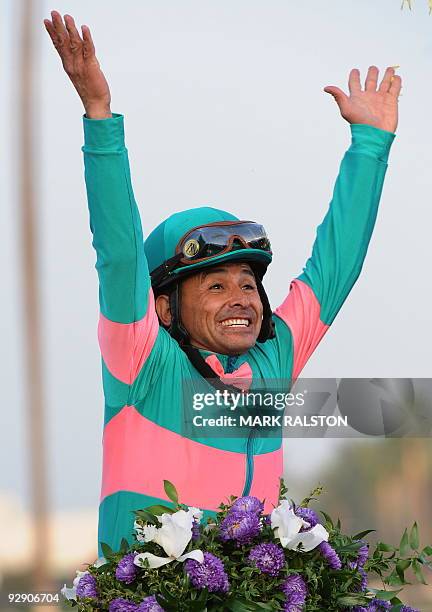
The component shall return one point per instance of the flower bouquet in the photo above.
(243, 560)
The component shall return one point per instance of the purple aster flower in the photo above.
(378, 605)
(122, 605)
(126, 569)
(239, 526)
(149, 604)
(330, 555)
(364, 582)
(296, 591)
(269, 558)
(308, 515)
(210, 573)
(408, 609)
(247, 504)
(363, 554)
(87, 586)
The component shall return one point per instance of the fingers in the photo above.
(89, 49)
(371, 79)
(340, 97)
(51, 31)
(60, 38)
(354, 81)
(75, 40)
(387, 79)
(396, 86)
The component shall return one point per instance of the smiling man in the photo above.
(188, 304)
(221, 307)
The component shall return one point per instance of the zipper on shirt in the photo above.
(231, 362)
(249, 462)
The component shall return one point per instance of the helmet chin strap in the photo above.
(176, 329)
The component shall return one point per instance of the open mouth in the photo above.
(236, 323)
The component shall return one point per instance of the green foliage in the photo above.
(250, 589)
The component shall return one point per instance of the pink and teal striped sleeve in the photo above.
(128, 324)
(341, 243)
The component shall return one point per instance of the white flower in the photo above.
(100, 561)
(196, 513)
(70, 593)
(309, 539)
(174, 536)
(149, 532)
(145, 533)
(287, 525)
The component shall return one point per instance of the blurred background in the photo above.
(224, 105)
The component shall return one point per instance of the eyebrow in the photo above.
(206, 273)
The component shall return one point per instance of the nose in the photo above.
(238, 298)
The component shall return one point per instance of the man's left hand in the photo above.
(373, 106)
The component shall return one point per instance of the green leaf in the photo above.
(171, 491)
(147, 517)
(401, 566)
(386, 595)
(362, 534)
(404, 544)
(414, 537)
(427, 550)
(393, 580)
(418, 572)
(165, 605)
(107, 551)
(383, 547)
(124, 546)
(159, 509)
(169, 597)
(353, 600)
(200, 603)
(327, 518)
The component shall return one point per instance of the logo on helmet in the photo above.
(191, 248)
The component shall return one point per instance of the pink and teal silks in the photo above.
(143, 367)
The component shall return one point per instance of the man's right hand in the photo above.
(80, 64)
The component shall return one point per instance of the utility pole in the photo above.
(35, 442)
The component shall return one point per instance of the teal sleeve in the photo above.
(343, 237)
(114, 222)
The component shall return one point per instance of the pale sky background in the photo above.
(224, 106)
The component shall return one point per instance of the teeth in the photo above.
(233, 322)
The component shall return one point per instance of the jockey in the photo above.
(188, 302)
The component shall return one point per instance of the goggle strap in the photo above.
(163, 271)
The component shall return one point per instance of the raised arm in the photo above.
(342, 239)
(128, 323)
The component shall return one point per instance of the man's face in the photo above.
(221, 308)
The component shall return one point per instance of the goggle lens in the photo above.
(211, 240)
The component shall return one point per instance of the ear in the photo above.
(163, 310)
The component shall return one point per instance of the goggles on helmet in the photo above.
(207, 241)
(204, 242)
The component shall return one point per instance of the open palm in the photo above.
(80, 63)
(376, 106)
